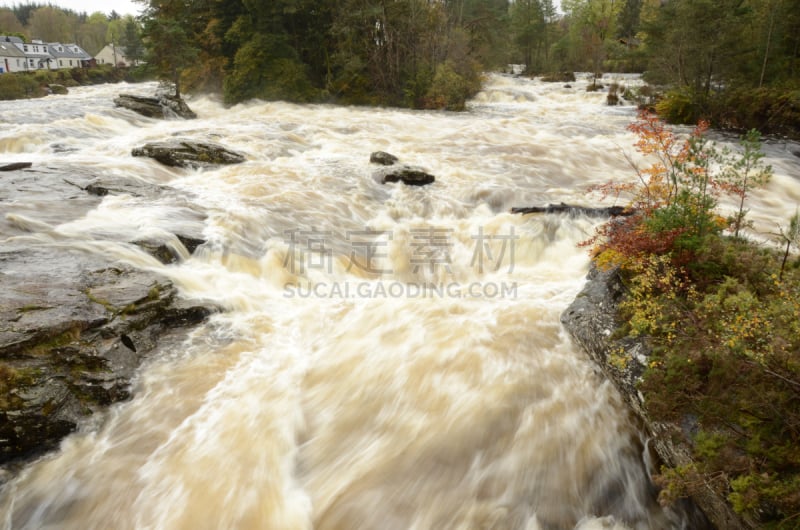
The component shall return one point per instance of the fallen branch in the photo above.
(572, 209)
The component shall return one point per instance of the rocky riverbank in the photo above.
(75, 323)
(592, 322)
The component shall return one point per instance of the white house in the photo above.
(11, 58)
(68, 55)
(112, 54)
(38, 56)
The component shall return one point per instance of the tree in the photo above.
(51, 24)
(131, 41)
(9, 23)
(171, 48)
(528, 26)
(92, 33)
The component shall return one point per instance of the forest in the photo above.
(735, 63)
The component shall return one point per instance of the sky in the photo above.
(123, 7)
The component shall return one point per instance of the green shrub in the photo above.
(679, 106)
(18, 86)
(448, 89)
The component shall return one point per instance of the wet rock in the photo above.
(166, 251)
(408, 175)
(162, 106)
(102, 186)
(73, 331)
(383, 158)
(591, 320)
(15, 166)
(58, 89)
(189, 153)
(75, 326)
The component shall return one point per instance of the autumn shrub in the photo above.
(721, 315)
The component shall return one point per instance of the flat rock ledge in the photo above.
(162, 106)
(75, 326)
(189, 154)
(591, 320)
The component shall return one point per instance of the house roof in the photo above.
(78, 51)
(7, 49)
(67, 51)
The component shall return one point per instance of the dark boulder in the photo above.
(189, 153)
(408, 175)
(383, 158)
(162, 106)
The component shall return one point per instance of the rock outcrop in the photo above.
(162, 106)
(76, 325)
(189, 153)
(591, 320)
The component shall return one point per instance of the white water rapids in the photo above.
(329, 396)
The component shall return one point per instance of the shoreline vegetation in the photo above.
(720, 315)
(40, 83)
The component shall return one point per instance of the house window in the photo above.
(45, 49)
(25, 47)
(70, 62)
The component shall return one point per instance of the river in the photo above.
(389, 357)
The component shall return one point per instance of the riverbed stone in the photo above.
(408, 175)
(189, 153)
(383, 158)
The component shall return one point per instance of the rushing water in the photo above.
(390, 357)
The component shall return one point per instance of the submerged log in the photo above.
(14, 166)
(572, 209)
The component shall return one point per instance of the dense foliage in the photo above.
(37, 83)
(722, 314)
(410, 52)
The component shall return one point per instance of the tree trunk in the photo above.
(766, 51)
